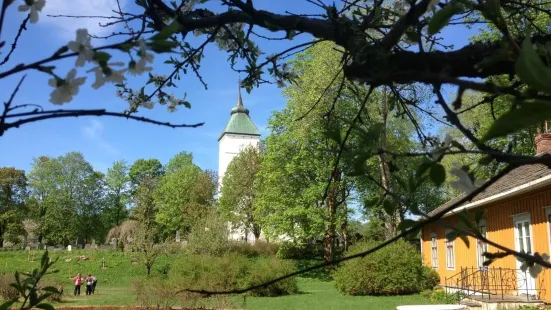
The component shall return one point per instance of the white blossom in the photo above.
(143, 52)
(82, 46)
(137, 68)
(34, 6)
(401, 7)
(65, 89)
(533, 268)
(448, 140)
(463, 182)
(115, 76)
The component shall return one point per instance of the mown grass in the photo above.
(115, 283)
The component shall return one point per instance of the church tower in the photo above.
(239, 133)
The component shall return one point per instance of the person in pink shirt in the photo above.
(78, 282)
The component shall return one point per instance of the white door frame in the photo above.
(525, 282)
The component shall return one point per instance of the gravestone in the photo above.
(69, 248)
(87, 246)
(178, 236)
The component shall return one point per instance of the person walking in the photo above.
(94, 282)
(89, 283)
(78, 282)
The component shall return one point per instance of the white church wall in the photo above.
(229, 146)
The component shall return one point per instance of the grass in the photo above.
(317, 290)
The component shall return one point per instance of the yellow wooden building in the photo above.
(518, 215)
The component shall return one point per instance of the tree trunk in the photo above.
(256, 231)
(344, 229)
(148, 267)
(390, 220)
(1, 236)
(329, 236)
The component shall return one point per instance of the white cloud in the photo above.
(66, 27)
(94, 132)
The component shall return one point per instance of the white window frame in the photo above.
(479, 258)
(433, 249)
(450, 261)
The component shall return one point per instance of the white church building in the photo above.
(239, 133)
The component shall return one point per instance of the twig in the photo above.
(22, 27)
(51, 114)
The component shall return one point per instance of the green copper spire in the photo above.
(240, 122)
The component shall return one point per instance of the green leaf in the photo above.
(163, 46)
(425, 165)
(125, 47)
(45, 306)
(479, 215)
(530, 113)
(465, 240)
(530, 68)
(442, 17)
(51, 289)
(186, 104)
(6, 305)
(291, 34)
(167, 32)
(492, 10)
(451, 236)
(407, 223)
(102, 57)
(438, 174)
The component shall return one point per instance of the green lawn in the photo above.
(115, 284)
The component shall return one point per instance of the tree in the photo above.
(118, 194)
(237, 201)
(182, 195)
(42, 185)
(145, 234)
(13, 192)
(144, 168)
(294, 198)
(68, 197)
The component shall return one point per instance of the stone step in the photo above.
(471, 304)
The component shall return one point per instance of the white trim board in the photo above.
(513, 191)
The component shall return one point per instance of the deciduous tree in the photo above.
(237, 201)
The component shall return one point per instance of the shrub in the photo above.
(233, 271)
(260, 248)
(154, 293)
(440, 297)
(270, 268)
(393, 270)
(6, 291)
(430, 278)
(208, 236)
(290, 250)
(53, 297)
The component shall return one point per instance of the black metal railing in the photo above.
(494, 282)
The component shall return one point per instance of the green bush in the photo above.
(232, 271)
(396, 269)
(430, 278)
(260, 248)
(268, 269)
(290, 250)
(209, 236)
(440, 297)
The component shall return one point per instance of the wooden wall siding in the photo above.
(499, 220)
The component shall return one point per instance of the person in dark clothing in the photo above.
(89, 283)
(94, 282)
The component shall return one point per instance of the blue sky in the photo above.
(105, 140)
